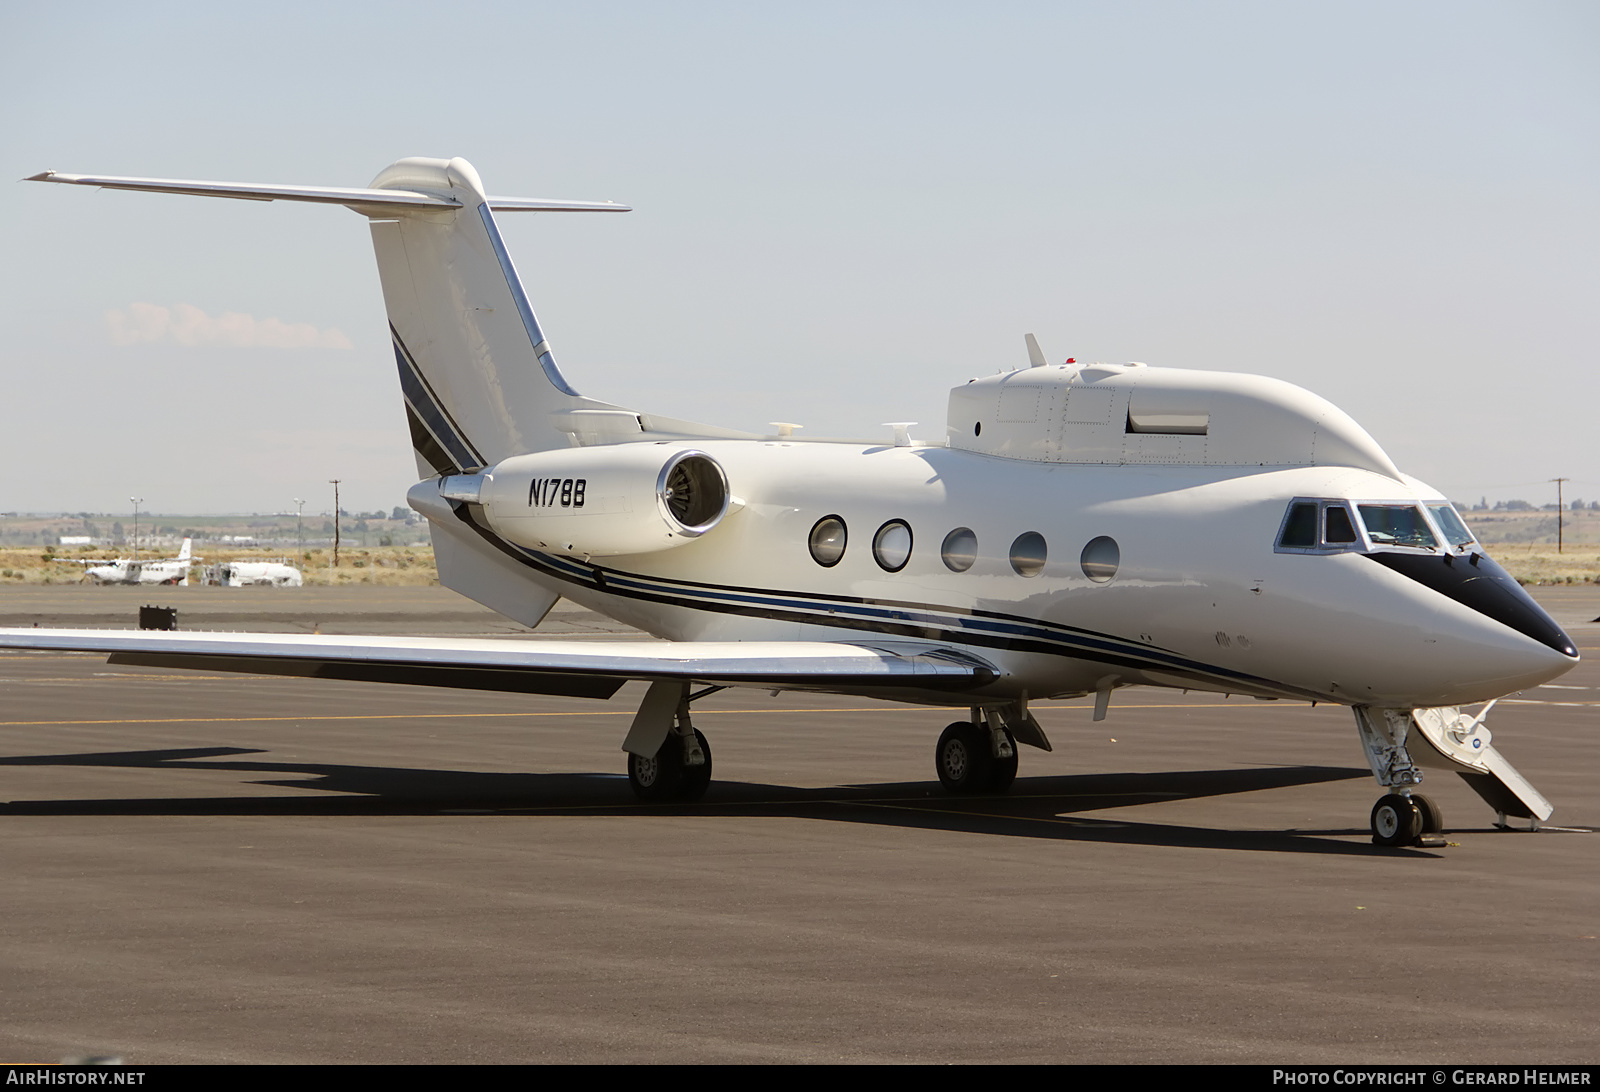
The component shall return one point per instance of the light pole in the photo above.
(299, 531)
(335, 483)
(1560, 514)
(136, 502)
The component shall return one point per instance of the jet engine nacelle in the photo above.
(600, 501)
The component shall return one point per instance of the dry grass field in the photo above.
(389, 566)
(1539, 563)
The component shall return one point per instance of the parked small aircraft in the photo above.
(1078, 528)
(244, 574)
(125, 570)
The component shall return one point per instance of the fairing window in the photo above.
(1397, 525)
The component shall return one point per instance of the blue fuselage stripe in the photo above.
(973, 628)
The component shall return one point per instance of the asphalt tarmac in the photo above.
(223, 868)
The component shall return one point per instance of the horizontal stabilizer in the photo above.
(576, 668)
(384, 200)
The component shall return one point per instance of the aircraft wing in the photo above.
(590, 669)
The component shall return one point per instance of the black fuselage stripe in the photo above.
(1133, 657)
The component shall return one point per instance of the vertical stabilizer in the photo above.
(479, 377)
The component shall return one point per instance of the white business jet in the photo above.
(1076, 530)
(125, 570)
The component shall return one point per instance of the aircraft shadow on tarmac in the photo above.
(1037, 807)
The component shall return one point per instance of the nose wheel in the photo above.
(1405, 820)
(1396, 821)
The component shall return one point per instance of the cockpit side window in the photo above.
(1451, 523)
(1300, 529)
(1317, 526)
(1337, 529)
(1397, 525)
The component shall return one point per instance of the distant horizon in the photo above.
(841, 212)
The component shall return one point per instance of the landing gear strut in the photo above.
(668, 758)
(1401, 818)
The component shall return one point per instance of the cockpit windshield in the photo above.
(1397, 525)
(1451, 523)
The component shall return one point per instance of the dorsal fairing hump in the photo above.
(1130, 413)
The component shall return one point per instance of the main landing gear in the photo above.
(980, 755)
(967, 761)
(669, 760)
(680, 770)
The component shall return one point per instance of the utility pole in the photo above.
(136, 502)
(300, 531)
(1560, 510)
(335, 483)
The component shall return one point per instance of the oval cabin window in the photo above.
(960, 550)
(827, 542)
(891, 546)
(1100, 559)
(1028, 554)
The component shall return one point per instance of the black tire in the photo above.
(660, 778)
(665, 778)
(697, 779)
(1432, 817)
(963, 759)
(1396, 821)
(1004, 770)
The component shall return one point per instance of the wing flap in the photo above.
(576, 668)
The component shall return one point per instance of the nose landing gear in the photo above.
(1396, 821)
(1406, 819)
(1448, 738)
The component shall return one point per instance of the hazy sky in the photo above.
(841, 212)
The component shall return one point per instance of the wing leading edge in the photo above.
(573, 668)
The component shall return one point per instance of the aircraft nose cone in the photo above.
(1476, 581)
(1482, 635)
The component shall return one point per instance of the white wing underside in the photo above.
(576, 668)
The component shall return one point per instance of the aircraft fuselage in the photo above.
(1199, 596)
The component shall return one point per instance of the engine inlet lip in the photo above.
(698, 529)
